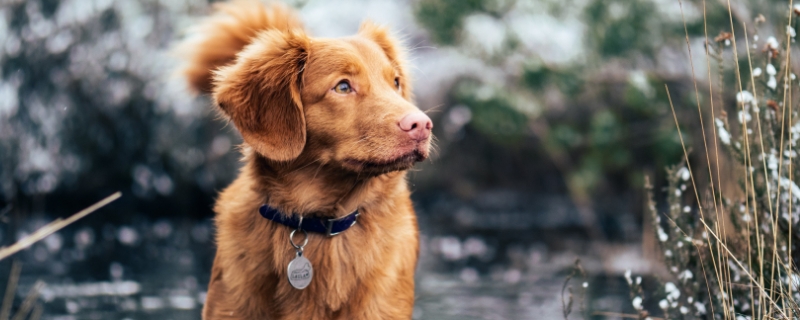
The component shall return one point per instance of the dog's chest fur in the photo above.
(363, 273)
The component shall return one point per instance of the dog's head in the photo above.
(343, 101)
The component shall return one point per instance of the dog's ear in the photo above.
(393, 49)
(260, 93)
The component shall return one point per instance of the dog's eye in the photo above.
(342, 87)
(397, 82)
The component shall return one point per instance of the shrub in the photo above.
(732, 253)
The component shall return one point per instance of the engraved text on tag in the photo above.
(300, 272)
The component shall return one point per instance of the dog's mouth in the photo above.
(402, 162)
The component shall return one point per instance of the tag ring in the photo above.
(305, 240)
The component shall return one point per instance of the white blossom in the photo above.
(757, 72)
(772, 43)
(795, 133)
(771, 70)
(685, 275)
(672, 291)
(745, 96)
(772, 161)
(663, 304)
(661, 236)
(744, 117)
(789, 184)
(701, 308)
(723, 134)
(772, 83)
(684, 173)
(790, 31)
(628, 276)
(637, 303)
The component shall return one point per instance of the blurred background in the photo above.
(548, 114)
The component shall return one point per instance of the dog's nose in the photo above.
(417, 125)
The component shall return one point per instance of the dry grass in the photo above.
(11, 287)
(54, 226)
(29, 305)
(746, 265)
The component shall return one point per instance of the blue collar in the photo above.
(329, 227)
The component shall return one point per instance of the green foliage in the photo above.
(568, 81)
(600, 118)
(604, 129)
(493, 115)
(716, 17)
(638, 101)
(443, 18)
(666, 145)
(588, 173)
(620, 27)
(565, 136)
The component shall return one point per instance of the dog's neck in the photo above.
(308, 188)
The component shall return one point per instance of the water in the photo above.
(159, 269)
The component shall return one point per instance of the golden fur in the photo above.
(309, 151)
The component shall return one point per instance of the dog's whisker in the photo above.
(434, 109)
(314, 177)
(418, 47)
(306, 165)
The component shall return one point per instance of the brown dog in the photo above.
(329, 127)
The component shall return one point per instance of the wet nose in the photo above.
(417, 125)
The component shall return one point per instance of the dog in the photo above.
(329, 129)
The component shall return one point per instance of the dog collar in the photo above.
(329, 227)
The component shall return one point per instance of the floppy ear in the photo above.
(393, 50)
(260, 93)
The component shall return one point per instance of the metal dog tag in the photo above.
(300, 272)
